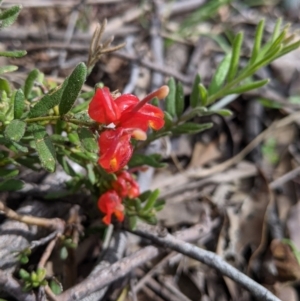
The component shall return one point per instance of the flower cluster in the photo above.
(124, 117)
(111, 201)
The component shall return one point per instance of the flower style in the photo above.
(110, 203)
(125, 185)
(130, 117)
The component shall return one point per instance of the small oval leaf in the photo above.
(8, 16)
(19, 104)
(44, 147)
(72, 89)
(15, 130)
(29, 82)
(88, 140)
(194, 97)
(179, 100)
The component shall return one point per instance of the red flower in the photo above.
(130, 117)
(110, 203)
(125, 185)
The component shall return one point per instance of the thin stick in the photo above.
(53, 223)
(47, 253)
(163, 238)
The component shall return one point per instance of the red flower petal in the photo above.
(110, 203)
(103, 108)
(125, 185)
(126, 101)
(115, 149)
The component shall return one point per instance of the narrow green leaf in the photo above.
(72, 89)
(14, 54)
(44, 147)
(170, 99)
(151, 201)
(88, 140)
(191, 128)
(288, 49)
(194, 97)
(179, 100)
(220, 75)
(8, 16)
(198, 111)
(19, 104)
(62, 160)
(223, 112)
(151, 160)
(249, 86)
(133, 222)
(29, 82)
(15, 130)
(6, 69)
(47, 102)
(5, 86)
(203, 95)
(168, 120)
(257, 40)
(11, 185)
(276, 31)
(235, 58)
(8, 173)
(91, 173)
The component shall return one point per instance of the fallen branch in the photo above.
(163, 238)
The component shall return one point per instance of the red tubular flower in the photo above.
(125, 185)
(130, 117)
(110, 203)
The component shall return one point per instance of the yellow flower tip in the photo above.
(162, 92)
(139, 135)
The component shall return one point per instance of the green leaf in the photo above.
(64, 253)
(29, 82)
(248, 87)
(24, 274)
(198, 111)
(203, 95)
(47, 102)
(15, 130)
(151, 201)
(8, 173)
(170, 99)
(276, 31)
(88, 140)
(62, 160)
(223, 112)
(257, 40)
(41, 274)
(220, 75)
(151, 160)
(9, 68)
(133, 222)
(236, 50)
(179, 100)
(8, 16)
(194, 97)
(4, 85)
(72, 90)
(56, 287)
(11, 185)
(91, 173)
(23, 259)
(155, 102)
(44, 147)
(159, 205)
(191, 128)
(168, 120)
(19, 104)
(14, 54)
